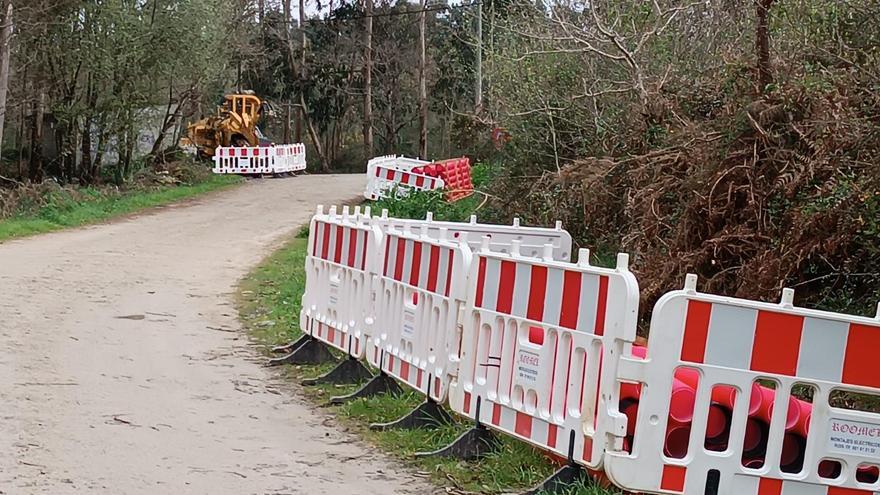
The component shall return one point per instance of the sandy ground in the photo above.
(125, 371)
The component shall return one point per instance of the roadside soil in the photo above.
(125, 370)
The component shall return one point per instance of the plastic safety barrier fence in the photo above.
(260, 160)
(337, 303)
(532, 339)
(402, 175)
(380, 182)
(419, 295)
(386, 180)
(785, 377)
(532, 240)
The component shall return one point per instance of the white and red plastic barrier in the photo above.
(532, 240)
(337, 302)
(400, 175)
(418, 300)
(772, 371)
(392, 174)
(279, 159)
(729, 397)
(532, 339)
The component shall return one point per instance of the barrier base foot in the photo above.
(559, 482)
(288, 348)
(349, 370)
(309, 352)
(379, 384)
(428, 415)
(470, 445)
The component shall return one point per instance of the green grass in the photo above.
(269, 305)
(94, 207)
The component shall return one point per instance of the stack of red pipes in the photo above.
(761, 405)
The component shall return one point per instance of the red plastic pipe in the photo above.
(754, 437)
(677, 439)
(630, 408)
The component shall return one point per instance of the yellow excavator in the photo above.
(235, 124)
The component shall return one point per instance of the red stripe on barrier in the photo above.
(505, 287)
(331, 333)
(523, 425)
(673, 478)
(420, 181)
(537, 292)
(352, 246)
(859, 365)
(481, 282)
(571, 296)
(770, 486)
(378, 172)
(337, 252)
(449, 272)
(404, 370)
(467, 403)
(696, 331)
(602, 305)
(588, 449)
(551, 435)
(777, 343)
(419, 378)
(398, 261)
(364, 247)
(433, 268)
(325, 246)
(416, 264)
(390, 174)
(404, 178)
(387, 251)
(496, 414)
(436, 386)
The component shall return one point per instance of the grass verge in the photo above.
(269, 305)
(94, 206)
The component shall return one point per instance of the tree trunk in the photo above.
(301, 23)
(86, 148)
(5, 42)
(478, 89)
(762, 44)
(368, 80)
(423, 93)
(313, 134)
(103, 135)
(286, 128)
(36, 158)
(20, 141)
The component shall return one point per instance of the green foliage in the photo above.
(417, 204)
(60, 208)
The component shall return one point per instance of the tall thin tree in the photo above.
(368, 79)
(5, 53)
(423, 92)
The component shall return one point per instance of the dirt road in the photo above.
(124, 370)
